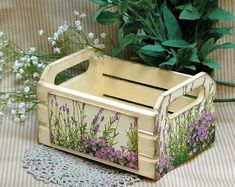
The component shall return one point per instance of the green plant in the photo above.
(171, 34)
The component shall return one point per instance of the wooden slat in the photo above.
(42, 111)
(138, 93)
(146, 166)
(143, 74)
(147, 145)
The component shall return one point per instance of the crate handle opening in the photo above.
(200, 80)
(53, 69)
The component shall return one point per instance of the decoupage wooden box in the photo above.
(141, 119)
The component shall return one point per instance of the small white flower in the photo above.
(1, 114)
(21, 105)
(32, 49)
(26, 89)
(55, 36)
(35, 63)
(53, 42)
(101, 46)
(6, 96)
(82, 15)
(18, 76)
(34, 58)
(77, 23)
(26, 82)
(13, 111)
(40, 32)
(35, 75)
(90, 35)
(56, 50)
(80, 28)
(21, 71)
(50, 39)
(110, 1)
(1, 54)
(22, 117)
(40, 65)
(76, 13)
(1, 34)
(103, 35)
(96, 41)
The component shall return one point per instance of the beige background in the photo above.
(21, 20)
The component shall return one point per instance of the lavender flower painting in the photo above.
(98, 132)
(187, 134)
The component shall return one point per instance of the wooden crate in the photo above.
(141, 119)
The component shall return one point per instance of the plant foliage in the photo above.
(172, 34)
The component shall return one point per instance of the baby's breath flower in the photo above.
(90, 35)
(22, 105)
(34, 58)
(96, 41)
(49, 39)
(103, 35)
(21, 71)
(18, 76)
(26, 82)
(6, 96)
(77, 23)
(80, 28)
(32, 49)
(26, 89)
(35, 75)
(82, 15)
(40, 65)
(22, 117)
(56, 50)
(101, 46)
(13, 111)
(1, 114)
(76, 13)
(35, 62)
(40, 32)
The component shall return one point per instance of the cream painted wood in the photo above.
(123, 81)
(42, 112)
(146, 167)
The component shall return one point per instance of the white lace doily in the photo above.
(51, 165)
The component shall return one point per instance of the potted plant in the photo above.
(171, 34)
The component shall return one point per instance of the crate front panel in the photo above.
(105, 134)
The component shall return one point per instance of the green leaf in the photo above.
(99, 2)
(123, 43)
(108, 17)
(194, 56)
(190, 15)
(178, 44)
(220, 14)
(225, 46)
(206, 48)
(172, 61)
(187, 6)
(153, 50)
(172, 26)
(211, 64)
